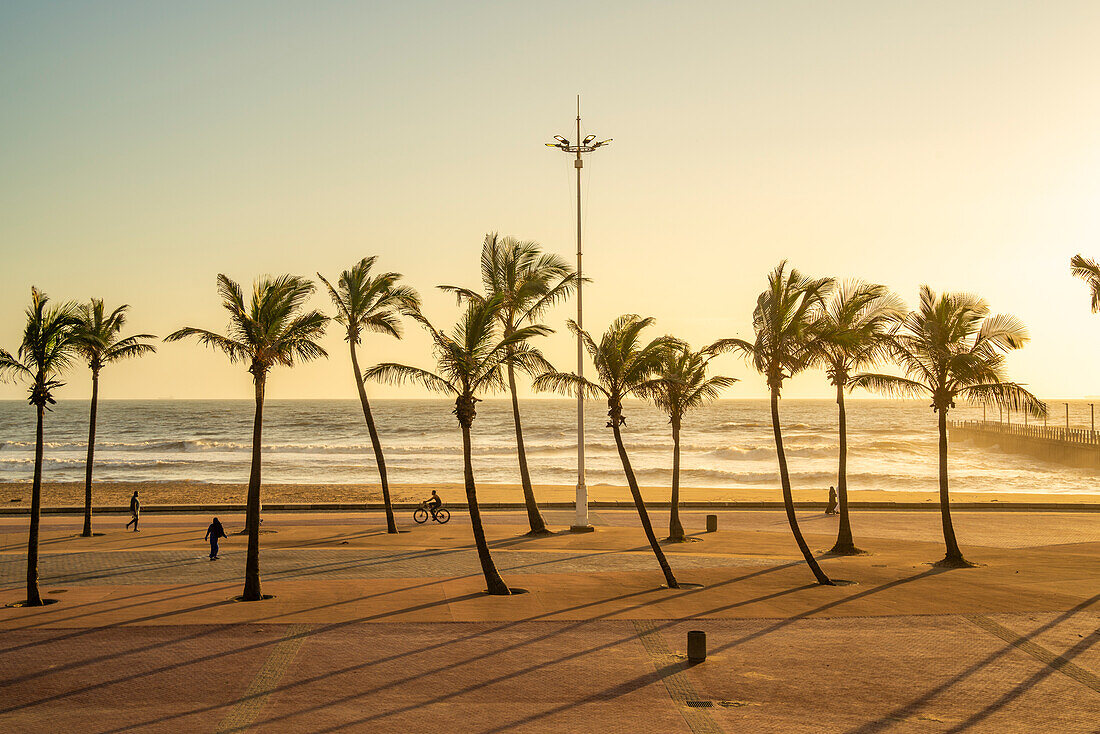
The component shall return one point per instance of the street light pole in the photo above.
(587, 145)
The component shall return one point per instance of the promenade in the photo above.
(370, 632)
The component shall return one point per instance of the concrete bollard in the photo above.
(697, 646)
(712, 523)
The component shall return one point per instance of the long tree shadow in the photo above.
(913, 706)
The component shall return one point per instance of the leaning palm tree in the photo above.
(786, 321)
(1087, 270)
(47, 349)
(529, 281)
(470, 360)
(853, 336)
(681, 386)
(98, 342)
(371, 303)
(270, 329)
(951, 347)
(624, 369)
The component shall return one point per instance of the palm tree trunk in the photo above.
(642, 514)
(252, 512)
(954, 557)
(379, 459)
(788, 499)
(34, 599)
(87, 532)
(534, 517)
(494, 583)
(845, 545)
(675, 529)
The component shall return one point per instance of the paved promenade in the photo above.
(377, 633)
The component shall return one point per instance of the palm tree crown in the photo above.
(46, 350)
(267, 330)
(852, 329)
(372, 303)
(683, 384)
(97, 337)
(1087, 270)
(470, 359)
(951, 347)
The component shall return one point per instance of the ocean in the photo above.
(892, 444)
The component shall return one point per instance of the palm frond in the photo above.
(570, 384)
(400, 374)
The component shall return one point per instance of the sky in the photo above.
(146, 147)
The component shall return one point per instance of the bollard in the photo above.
(712, 523)
(697, 646)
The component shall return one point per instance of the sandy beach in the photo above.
(71, 494)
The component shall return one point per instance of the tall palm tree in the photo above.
(98, 341)
(529, 281)
(270, 329)
(786, 321)
(47, 350)
(853, 336)
(681, 386)
(951, 347)
(624, 369)
(371, 303)
(1087, 270)
(470, 360)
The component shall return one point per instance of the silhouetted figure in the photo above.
(214, 532)
(831, 509)
(135, 510)
(434, 503)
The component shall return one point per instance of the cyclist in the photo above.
(434, 503)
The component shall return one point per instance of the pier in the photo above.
(1073, 446)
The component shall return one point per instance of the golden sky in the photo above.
(146, 147)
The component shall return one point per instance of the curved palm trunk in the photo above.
(379, 459)
(87, 532)
(534, 517)
(252, 512)
(675, 529)
(493, 582)
(845, 545)
(34, 599)
(788, 499)
(954, 556)
(642, 514)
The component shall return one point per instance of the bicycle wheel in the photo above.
(442, 515)
(421, 516)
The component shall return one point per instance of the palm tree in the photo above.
(97, 339)
(1087, 270)
(624, 369)
(271, 329)
(470, 360)
(529, 281)
(371, 303)
(683, 386)
(951, 347)
(47, 349)
(853, 336)
(786, 321)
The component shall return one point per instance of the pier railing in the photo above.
(1080, 436)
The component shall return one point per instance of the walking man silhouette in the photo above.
(135, 510)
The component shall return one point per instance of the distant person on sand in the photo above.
(214, 532)
(831, 509)
(434, 503)
(135, 510)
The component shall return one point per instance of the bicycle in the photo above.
(421, 514)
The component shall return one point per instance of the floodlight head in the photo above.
(589, 139)
(561, 140)
(553, 145)
(604, 142)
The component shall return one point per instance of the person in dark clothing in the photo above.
(135, 510)
(214, 532)
(831, 509)
(434, 503)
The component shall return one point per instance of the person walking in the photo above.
(135, 510)
(831, 509)
(214, 532)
